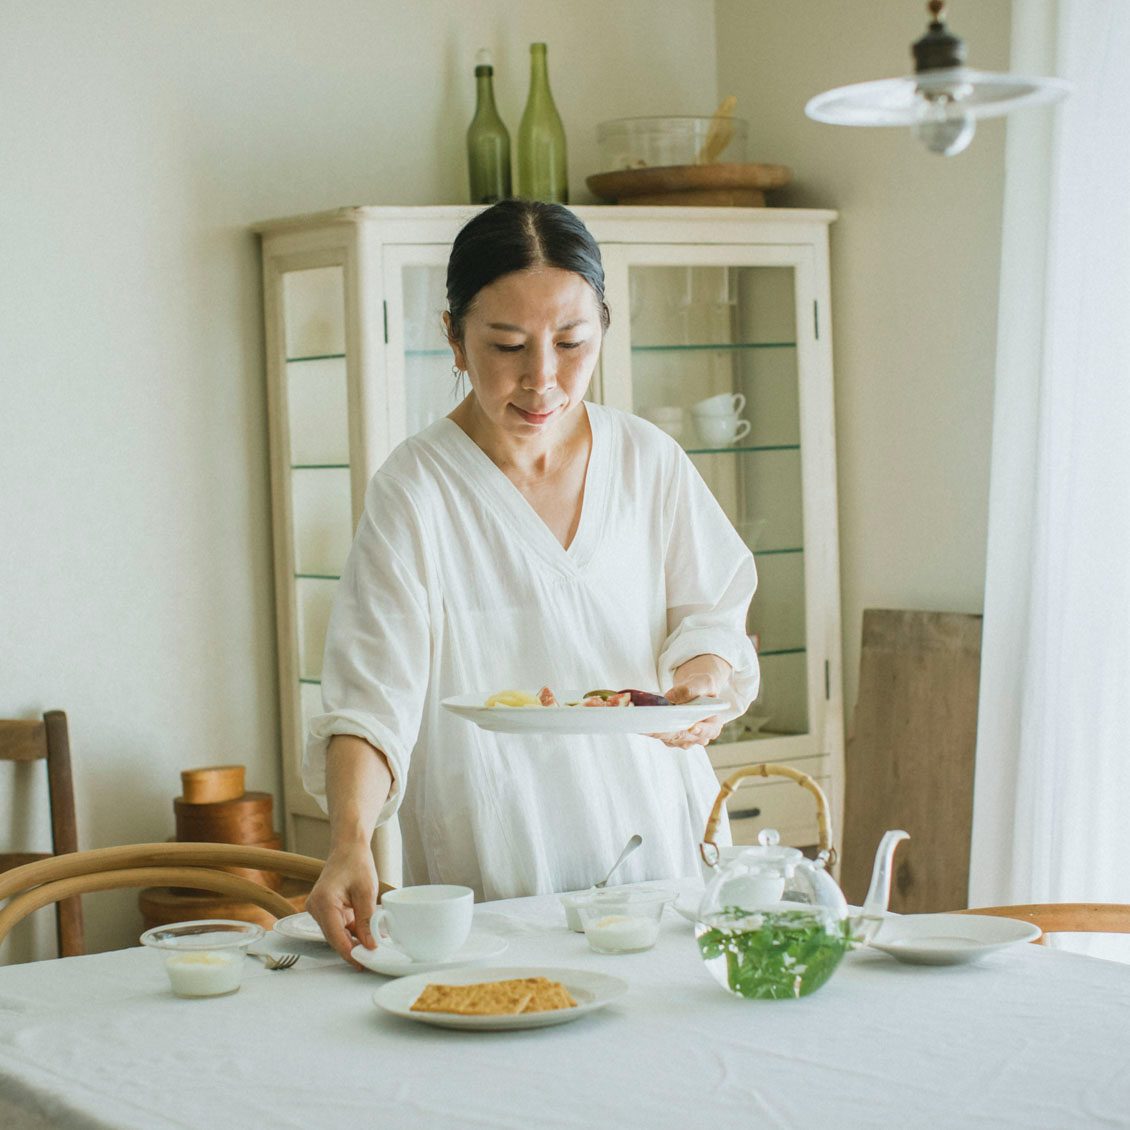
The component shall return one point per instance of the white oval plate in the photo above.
(479, 946)
(300, 927)
(949, 939)
(581, 719)
(590, 990)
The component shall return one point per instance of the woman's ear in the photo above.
(456, 345)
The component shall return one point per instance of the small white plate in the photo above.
(300, 927)
(479, 946)
(590, 990)
(949, 939)
(581, 719)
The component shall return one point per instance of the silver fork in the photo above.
(276, 960)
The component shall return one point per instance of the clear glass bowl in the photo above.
(640, 143)
(622, 920)
(203, 958)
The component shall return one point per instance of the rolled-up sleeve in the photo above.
(710, 579)
(377, 656)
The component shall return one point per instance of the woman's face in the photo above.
(530, 345)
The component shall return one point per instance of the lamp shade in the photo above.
(959, 91)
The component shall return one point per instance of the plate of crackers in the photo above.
(499, 999)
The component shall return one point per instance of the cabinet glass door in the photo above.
(713, 358)
(422, 386)
(317, 417)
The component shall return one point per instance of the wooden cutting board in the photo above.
(663, 181)
(911, 755)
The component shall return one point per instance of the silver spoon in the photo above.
(629, 847)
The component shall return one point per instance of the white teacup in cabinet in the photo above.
(716, 312)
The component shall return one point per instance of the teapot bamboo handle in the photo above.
(769, 769)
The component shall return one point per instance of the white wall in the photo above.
(915, 259)
(139, 139)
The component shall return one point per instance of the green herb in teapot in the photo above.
(772, 954)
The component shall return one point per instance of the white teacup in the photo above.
(724, 404)
(427, 923)
(720, 431)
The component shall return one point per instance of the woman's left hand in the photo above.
(701, 677)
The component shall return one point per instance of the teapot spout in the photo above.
(879, 894)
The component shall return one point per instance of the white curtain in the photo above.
(1052, 792)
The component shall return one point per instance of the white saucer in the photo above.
(949, 939)
(300, 927)
(591, 990)
(479, 946)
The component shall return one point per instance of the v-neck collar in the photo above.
(525, 518)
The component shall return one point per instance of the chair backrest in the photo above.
(29, 740)
(192, 865)
(1065, 917)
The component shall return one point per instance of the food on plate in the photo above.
(511, 698)
(495, 998)
(546, 697)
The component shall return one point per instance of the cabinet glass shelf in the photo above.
(319, 466)
(735, 450)
(700, 346)
(780, 651)
(316, 357)
(777, 552)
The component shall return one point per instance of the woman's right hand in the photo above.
(344, 898)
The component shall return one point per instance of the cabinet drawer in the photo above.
(785, 806)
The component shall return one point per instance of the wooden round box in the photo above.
(162, 905)
(247, 819)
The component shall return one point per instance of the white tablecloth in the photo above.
(1028, 1038)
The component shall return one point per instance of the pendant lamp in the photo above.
(943, 99)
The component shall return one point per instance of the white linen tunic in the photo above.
(455, 585)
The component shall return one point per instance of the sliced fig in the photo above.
(646, 698)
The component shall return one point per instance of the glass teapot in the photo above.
(773, 925)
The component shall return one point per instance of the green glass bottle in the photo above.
(542, 167)
(488, 142)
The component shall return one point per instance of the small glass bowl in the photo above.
(203, 958)
(622, 920)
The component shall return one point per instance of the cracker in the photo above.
(548, 997)
(489, 998)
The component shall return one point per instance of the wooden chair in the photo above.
(25, 740)
(192, 865)
(1065, 917)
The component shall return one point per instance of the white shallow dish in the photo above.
(589, 989)
(300, 927)
(479, 946)
(581, 719)
(949, 939)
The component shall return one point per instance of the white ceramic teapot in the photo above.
(775, 925)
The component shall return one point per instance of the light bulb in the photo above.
(939, 127)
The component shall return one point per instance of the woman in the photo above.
(528, 538)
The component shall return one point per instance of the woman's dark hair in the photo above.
(514, 235)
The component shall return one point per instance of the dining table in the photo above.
(1027, 1036)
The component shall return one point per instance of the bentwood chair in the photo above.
(191, 865)
(24, 740)
(1065, 917)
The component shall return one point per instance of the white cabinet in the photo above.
(705, 302)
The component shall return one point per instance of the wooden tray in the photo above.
(246, 820)
(628, 185)
(162, 905)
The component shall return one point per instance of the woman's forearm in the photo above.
(358, 781)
